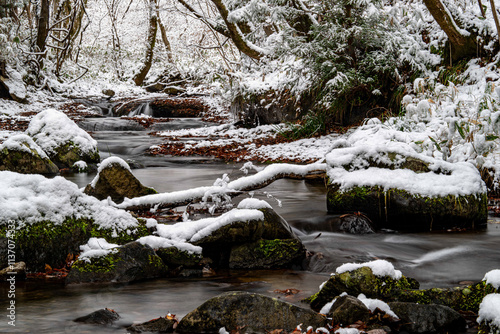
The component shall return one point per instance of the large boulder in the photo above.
(376, 279)
(416, 318)
(253, 312)
(114, 179)
(19, 153)
(128, 263)
(12, 84)
(51, 218)
(63, 141)
(401, 189)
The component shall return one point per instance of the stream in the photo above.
(437, 259)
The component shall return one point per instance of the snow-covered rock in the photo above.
(63, 141)
(489, 314)
(19, 153)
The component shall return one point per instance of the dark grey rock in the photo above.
(160, 325)
(103, 316)
(347, 310)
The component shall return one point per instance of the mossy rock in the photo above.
(48, 243)
(174, 257)
(118, 182)
(26, 161)
(267, 254)
(272, 227)
(466, 298)
(128, 263)
(256, 313)
(363, 281)
(66, 155)
(400, 210)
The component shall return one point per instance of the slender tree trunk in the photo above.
(483, 14)
(495, 16)
(43, 26)
(234, 33)
(153, 27)
(165, 41)
(462, 45)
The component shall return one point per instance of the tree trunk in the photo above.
(495, 16)
(165, 41)
(43, 26)
(462, 45)
(234, 33)
(153, 27)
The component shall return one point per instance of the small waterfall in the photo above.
(143, 109)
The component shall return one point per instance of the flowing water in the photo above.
(437, 259)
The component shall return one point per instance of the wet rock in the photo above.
(18, 270)
(115, 180)
(159, 325)
(19, 153)
(63, 141)
(347, 310)
(267, 254)
(131, 262)
(362, 281)
(416, 318)
(257, 313)
(103, 316)
(393, 205)
(174, 257)
(356, 223)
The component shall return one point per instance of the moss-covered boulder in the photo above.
(48, 219)
(400, 189)
(115, 180)
(256, 313)
(63, 141)
(174, 257)
(128, 263)
(364, 281)
(19, 153)
(267, 254)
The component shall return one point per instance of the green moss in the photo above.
(103, 264)
(174, 257)
(122, 237)
(277, 248)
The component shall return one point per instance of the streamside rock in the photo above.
(128, 263)
(115, 180)
(20, 154)
(363, 281)
(63, 141)
(174, 257)
(12, 85)
(18, 270)
(400, 189)
(159, 325)
(256, 313)
(103, 316)
(347, 310)
(417, 318)
(267, 254)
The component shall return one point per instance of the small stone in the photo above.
(159, 325)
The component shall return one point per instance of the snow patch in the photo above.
(254, 203)
(96, 247)
(489, 310)
(379, 268)
(373, 304)
(493, 278)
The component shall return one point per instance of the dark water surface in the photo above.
(437, 259)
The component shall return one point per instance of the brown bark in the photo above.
(461, 46)
(151, 41)
(234, 34)
(43, 26)
(218, 28)
(495, 16)
(165, 41)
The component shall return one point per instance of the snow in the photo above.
(157, 242)
(80, 165)
(254, 203)
(327, 307)
(24, 143)
(96, 247)
(29, 199)
(493, 277)
(373, 304)
(379, 268)
(51, 129)
(347, 331)
(489, 310)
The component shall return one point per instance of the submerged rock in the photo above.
(115, 180)
(128, 263)
(400, 189)
(356, 223)
(256, 313)
(19, 153)
(63, 141)
(103, 316)
(416, 318)
(159, 325)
